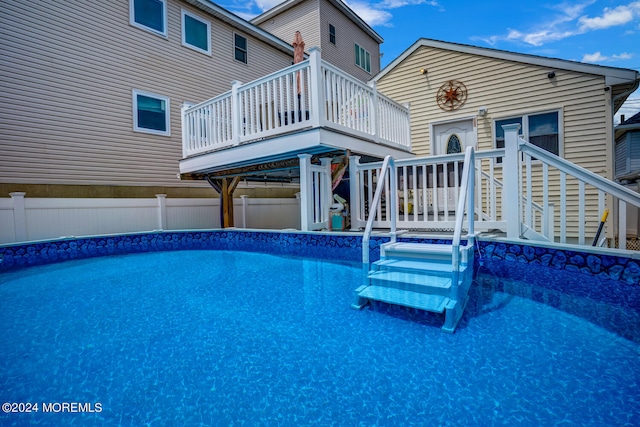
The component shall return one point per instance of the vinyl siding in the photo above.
(312, 19)
(508, 89)
(342, 54)
(303, 17)
(68, 70)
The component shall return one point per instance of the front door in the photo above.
(453, 137)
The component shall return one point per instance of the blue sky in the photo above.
(604, 32)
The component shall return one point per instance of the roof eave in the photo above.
(613, 76)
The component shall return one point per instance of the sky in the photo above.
(603, 32)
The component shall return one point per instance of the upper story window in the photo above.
(151, 113)
(541, 129)
(363, 58)
(150, 15)
(240, 49)
(196, 32)
(332, 34)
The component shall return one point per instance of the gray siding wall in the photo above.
(342, 54)
(68, 70)
(312, 19)
(303, 17)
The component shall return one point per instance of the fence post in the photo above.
(306, 192)
(511, 180)
(162, 211)
(185, 130)
(236, 113)
(19, 216)
(244, 198)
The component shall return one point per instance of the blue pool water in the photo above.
(235, 338)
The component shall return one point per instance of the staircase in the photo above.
(420, 276)
(433, 278)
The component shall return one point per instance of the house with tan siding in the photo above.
(345, 40)
(91, 91)
(462, 95)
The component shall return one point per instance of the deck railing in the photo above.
(521, 190)
(310, 94)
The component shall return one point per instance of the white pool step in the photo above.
(419, 275)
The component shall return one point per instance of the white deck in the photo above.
(308, 108)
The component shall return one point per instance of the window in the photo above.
(453, 145)
(240, 48)
(150, 15)
(363, 59)
(542, 130)
(151, 113)
(196, 32)
(332, 34)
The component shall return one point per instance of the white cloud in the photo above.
(610, 18)
(571, 21)
(598, 57)
(370, 14)
(265, 5)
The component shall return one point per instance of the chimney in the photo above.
(621, 118)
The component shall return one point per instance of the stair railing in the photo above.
(388, 167)
(466, 195)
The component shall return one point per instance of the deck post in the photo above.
(306, 192)
(315, 87)
(236, 114)
(354, 193)
(511, 180)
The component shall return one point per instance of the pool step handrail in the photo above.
(421, 275)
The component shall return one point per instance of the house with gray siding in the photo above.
(92, 91)
(345, 40)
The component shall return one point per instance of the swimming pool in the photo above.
(220, 337)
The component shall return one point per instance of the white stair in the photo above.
(420, 276)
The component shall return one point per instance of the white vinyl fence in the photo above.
(28, 219)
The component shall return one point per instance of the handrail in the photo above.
(387, 164)
(466, 194)
(581, 173)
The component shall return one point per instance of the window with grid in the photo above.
(240, 48)
(541, 129)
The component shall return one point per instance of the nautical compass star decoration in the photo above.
(451, 95)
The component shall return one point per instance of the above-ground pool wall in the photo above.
(331, 246)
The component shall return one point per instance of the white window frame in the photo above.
(167, 117)
(246, 51)
(366, 54)
(524, 130)
(133, 22)
(184, 13)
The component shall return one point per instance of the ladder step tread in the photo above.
(418, 265)
(418, 247)
(420, 279)
(427, 302)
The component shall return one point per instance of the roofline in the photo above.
(613, 76)
(288, 4)
(241, 24)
